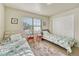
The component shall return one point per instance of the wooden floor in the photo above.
(75, 51)
(45, 48)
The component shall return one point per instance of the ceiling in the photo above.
(46, 9)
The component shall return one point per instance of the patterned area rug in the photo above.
(45, 49)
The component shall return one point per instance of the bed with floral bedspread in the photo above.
(16, 46)
(62, 41)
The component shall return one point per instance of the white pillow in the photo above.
(16, 37)
(46, 33)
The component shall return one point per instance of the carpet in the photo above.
(45, 49)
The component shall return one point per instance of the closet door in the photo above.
(64, 25)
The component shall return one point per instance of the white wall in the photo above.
(74, 12)
(15, 13)
(1, 21)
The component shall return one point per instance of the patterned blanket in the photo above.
(17, 46)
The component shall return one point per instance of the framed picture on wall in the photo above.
(14, 21)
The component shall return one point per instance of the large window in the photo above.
(32, 25)
(27, 25)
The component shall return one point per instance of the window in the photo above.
(37, 26)
(32, 25)
(27, 25)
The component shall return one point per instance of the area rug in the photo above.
(44, 49)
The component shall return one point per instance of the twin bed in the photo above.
(62, 41)
(16, 46)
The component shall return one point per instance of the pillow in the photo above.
(16, 37)
(46, 33)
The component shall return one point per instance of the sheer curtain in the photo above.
(27, 25)
(37, 26)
